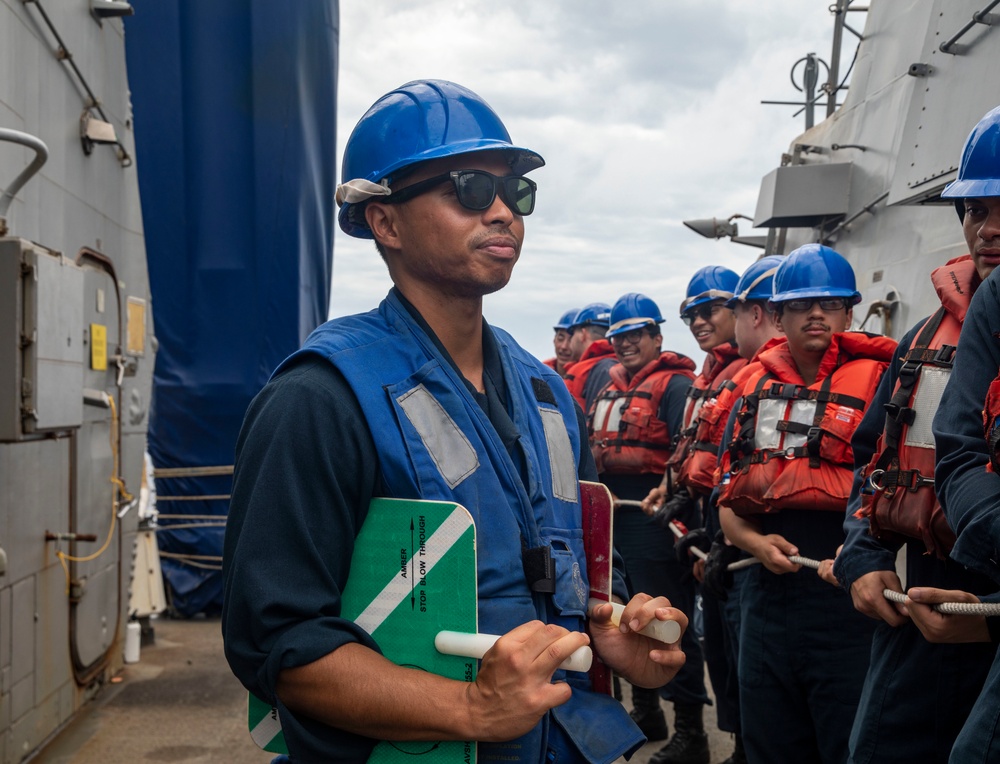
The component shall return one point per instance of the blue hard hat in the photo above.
(595, 314)
(631, 311)
(814, 270)
(709, 283)
(566, 319)
(979, 169)
(419, 121)
(757, 281)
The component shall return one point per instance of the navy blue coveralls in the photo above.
(917, 695)
(970, 495)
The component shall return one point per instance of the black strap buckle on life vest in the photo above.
(539, 568)
(890, 480)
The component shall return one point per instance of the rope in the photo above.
(951, 608)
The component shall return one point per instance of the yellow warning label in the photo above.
(98, 347)
(136, 334)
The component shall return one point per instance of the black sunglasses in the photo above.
(476, 190)
(805, 303)
(702, 311)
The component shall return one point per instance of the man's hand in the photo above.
(654, 500)
(696, 538)
(825, 570)
(941, 628)
(642, 661)
(868, 599)
(681, 503)
(514, 688)
(773, 550)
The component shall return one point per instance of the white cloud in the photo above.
(647, 113)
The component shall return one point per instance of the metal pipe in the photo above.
(832, 83)
(41, 157)
(977, 18)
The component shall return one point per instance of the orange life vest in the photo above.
(627, 436)
(792, 445)
(694, 457)
(898, 497)
(578, 373)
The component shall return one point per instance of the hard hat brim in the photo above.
(798, 294)
(963, 189)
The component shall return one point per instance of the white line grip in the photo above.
(664, 631)
(476, 645)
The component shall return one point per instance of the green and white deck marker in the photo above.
(413, 574)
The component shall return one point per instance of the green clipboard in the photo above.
(412, 575)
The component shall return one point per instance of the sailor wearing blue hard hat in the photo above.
(561, 341)
(423, 399)
(789, 470)
(900, 483)
(755, 318)
(593, 355)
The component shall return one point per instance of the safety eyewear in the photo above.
(632, 337)
(806, 303)
(476, 190)
(705, 312)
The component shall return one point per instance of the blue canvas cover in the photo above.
(235, 115)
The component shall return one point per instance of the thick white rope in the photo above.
(950, 608)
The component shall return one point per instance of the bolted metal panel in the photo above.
(946, 103)
(53, 361)
(41, 340)
(802, 196)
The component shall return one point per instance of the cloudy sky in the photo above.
(647, 113)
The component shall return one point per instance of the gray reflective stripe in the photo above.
(447, 445)
(770, 412)
(607, 415)
(562, 464)
(926, 400)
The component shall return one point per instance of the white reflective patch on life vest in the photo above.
(607, 414)
(926, 399)
(562, 464)
(770, 411)
(694, 412)
(449, 448)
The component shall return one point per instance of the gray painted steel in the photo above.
(902, 135)
(72, 256)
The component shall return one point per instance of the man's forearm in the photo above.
(740, 531)
(357, 690)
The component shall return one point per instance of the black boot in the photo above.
(646, 713)
(739, 754)
(689, 745)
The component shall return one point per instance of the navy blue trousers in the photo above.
(803, 658)
(979, 740)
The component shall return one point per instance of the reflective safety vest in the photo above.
(696, 455)
(434, 441)
(578, 373)
(627, 436)
(898, 495)
(792, 444)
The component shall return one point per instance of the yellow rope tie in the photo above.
(120, 492)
